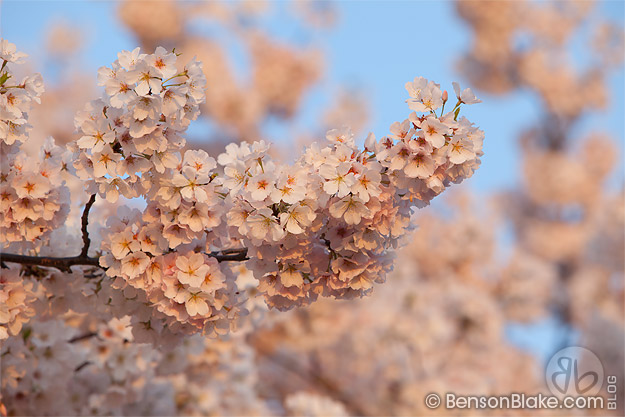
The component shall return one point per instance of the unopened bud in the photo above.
(445, 96)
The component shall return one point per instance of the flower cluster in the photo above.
(498, 63)
(281, 75)
(322, 226)
(107, 371)
(33, 199)
(15, 98)
(46, 369)
(425, 153)
(16, 297)
(135, 128)
(189, 290)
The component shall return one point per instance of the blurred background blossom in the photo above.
(524, 259)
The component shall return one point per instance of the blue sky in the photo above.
(376, 46)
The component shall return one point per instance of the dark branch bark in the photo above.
(85, 222)
(236, 255)
(82, 365)
(64, 264)
(82, 337)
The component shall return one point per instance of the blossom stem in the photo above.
(182, 74)
(172, 85)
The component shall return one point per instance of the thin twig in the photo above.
(82, 365)
(82, 337)
(85, 222)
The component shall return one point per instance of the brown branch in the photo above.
(226, 255)
(64, 264)
(82, 365)
(85, 222)
(82, 337)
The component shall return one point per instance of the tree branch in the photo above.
(64, 264)
(226, 255)
(82, 337)
(85, 222)
(82, 365)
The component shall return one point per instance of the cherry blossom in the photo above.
(324, 226)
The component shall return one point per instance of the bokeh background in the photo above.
(523, 259)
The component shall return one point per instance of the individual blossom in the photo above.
(31, 185)
(192, 269)
(263, 226)
(135, 264)
(339, 178)
(343, 135)
(460, 150)
(350, 208)
(97, 133)
(105, 162)
(118, 85)
(424, 97)
(164, 62)
(465, 96)
(190, 183)
(297, 218)
(260, 187)
(196, 304)
(213, 279)
(9, 53)
(368, 182)
(434, 131)
(293, 274)
(290, 186)
(419, 166)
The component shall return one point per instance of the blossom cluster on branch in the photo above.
(33, 199)
(324, 226)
